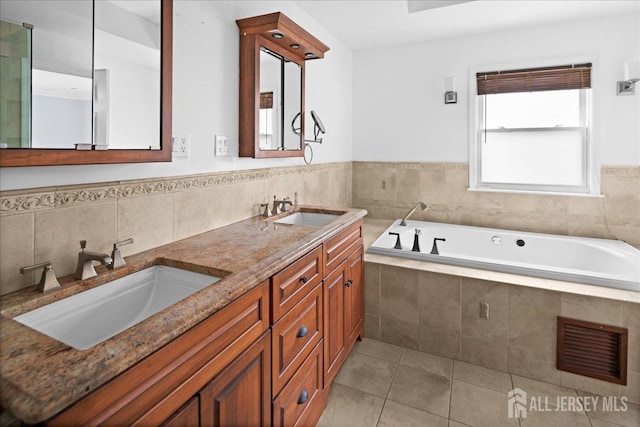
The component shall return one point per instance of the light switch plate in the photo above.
(221, 145)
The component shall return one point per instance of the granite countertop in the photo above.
(40, 376)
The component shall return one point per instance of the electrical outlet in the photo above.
(221, 146)
(484, 310)
(180, 145)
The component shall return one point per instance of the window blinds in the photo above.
(535, 79)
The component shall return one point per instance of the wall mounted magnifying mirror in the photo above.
(318, 127)
(273, 51)
(85, 82)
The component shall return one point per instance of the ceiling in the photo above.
(363, 24)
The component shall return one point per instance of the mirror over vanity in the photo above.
(273, 51)
(85, 82)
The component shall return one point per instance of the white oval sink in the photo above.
(91, 317)
(313, 219)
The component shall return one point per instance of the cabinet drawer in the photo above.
(301, 401)
(340, 246)
(295, 336)
(294, 282)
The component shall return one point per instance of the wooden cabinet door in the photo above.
(335, 349)
(354, 298)
(186, 416)
(241, 394)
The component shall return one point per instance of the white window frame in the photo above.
(591, 176)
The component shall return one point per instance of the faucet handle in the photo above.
(83, 244)
(48, 280)
(434, 248)
(128, 241)
(116, 257)
(398, 245)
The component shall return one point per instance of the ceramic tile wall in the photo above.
(440, 314)
(46, 224)
(389, 190)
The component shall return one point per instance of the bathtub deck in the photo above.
(373, 228)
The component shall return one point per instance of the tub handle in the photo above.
(434, 248)
(397, 245)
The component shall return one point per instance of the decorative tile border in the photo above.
(85, 195)
(19, 202)
(26, 203)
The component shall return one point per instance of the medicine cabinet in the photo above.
(273, 51)
(90, 84)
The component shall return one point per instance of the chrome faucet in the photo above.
(85, 269)
(422, 206)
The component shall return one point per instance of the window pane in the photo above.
(533, 109)
(533, 157)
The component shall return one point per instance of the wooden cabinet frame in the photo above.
(255, 32)
(48, 157)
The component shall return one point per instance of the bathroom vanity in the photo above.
(261, 346)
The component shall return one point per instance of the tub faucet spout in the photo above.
(416, 242)
(406, 217)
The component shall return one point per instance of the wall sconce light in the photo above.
(450, 94)
(631, 77)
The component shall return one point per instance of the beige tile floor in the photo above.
(385, 385)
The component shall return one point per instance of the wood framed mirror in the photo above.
(273, 51)
(139, 27)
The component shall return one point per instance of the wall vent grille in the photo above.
(592, 349)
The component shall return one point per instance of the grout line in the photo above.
(510, 375)
(460, 284)
(386, 397)
(31, 279)
(394, 375)
(381, 411)
(450, 394)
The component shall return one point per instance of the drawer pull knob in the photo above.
(304, 396)
(302, 332)
(348, 284)
(304, 279)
